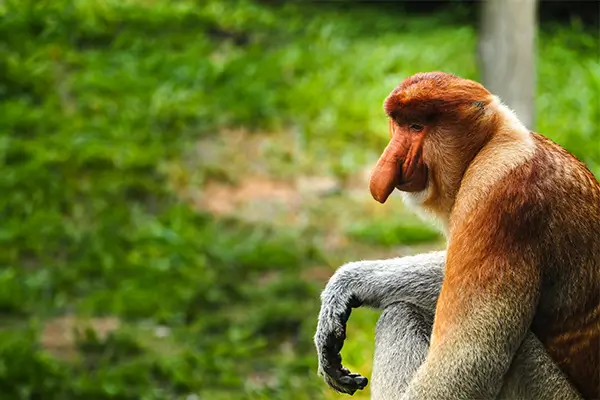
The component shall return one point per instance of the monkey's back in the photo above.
(564, 191)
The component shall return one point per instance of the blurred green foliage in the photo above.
(387, 232)
(101, 97)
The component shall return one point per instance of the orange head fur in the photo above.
(438, 122)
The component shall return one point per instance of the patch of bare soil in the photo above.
(258, 177)
(254, 198)
(264, 199)
(59, 335)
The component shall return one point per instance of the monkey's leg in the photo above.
(401, 344)
(402, 341)
(534, 375)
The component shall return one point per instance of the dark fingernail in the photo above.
(361, 381)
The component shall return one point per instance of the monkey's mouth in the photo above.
(413, 182)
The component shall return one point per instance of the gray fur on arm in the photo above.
(414, 279)
(379, 283)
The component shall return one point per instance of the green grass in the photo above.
(392, 232)
(103, 103)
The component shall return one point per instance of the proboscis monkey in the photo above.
(511, 309)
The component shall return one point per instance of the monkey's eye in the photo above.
(416, 127)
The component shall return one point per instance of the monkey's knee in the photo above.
(534, 375)
(401, 344)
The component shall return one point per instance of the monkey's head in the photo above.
(428, 112)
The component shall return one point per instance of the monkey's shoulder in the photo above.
(552, 181)
(561, 167)
(551, 199)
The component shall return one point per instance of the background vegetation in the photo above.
(180, 178)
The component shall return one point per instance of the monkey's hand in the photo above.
(375, 284)
(329, 340)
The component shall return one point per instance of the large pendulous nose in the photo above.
(385, 175)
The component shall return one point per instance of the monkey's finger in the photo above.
(353, 382)
(360, 381)
(342, 389)
(333, 380)
(344, 381)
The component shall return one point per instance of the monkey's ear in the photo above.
(479, 104)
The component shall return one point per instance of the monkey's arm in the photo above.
(379, 283)
(484, 311)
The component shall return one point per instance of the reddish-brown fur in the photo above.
(528, 252)
(401, 164)
(535, 228)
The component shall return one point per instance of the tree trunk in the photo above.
(507, 47)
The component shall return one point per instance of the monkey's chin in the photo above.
(413, 185)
